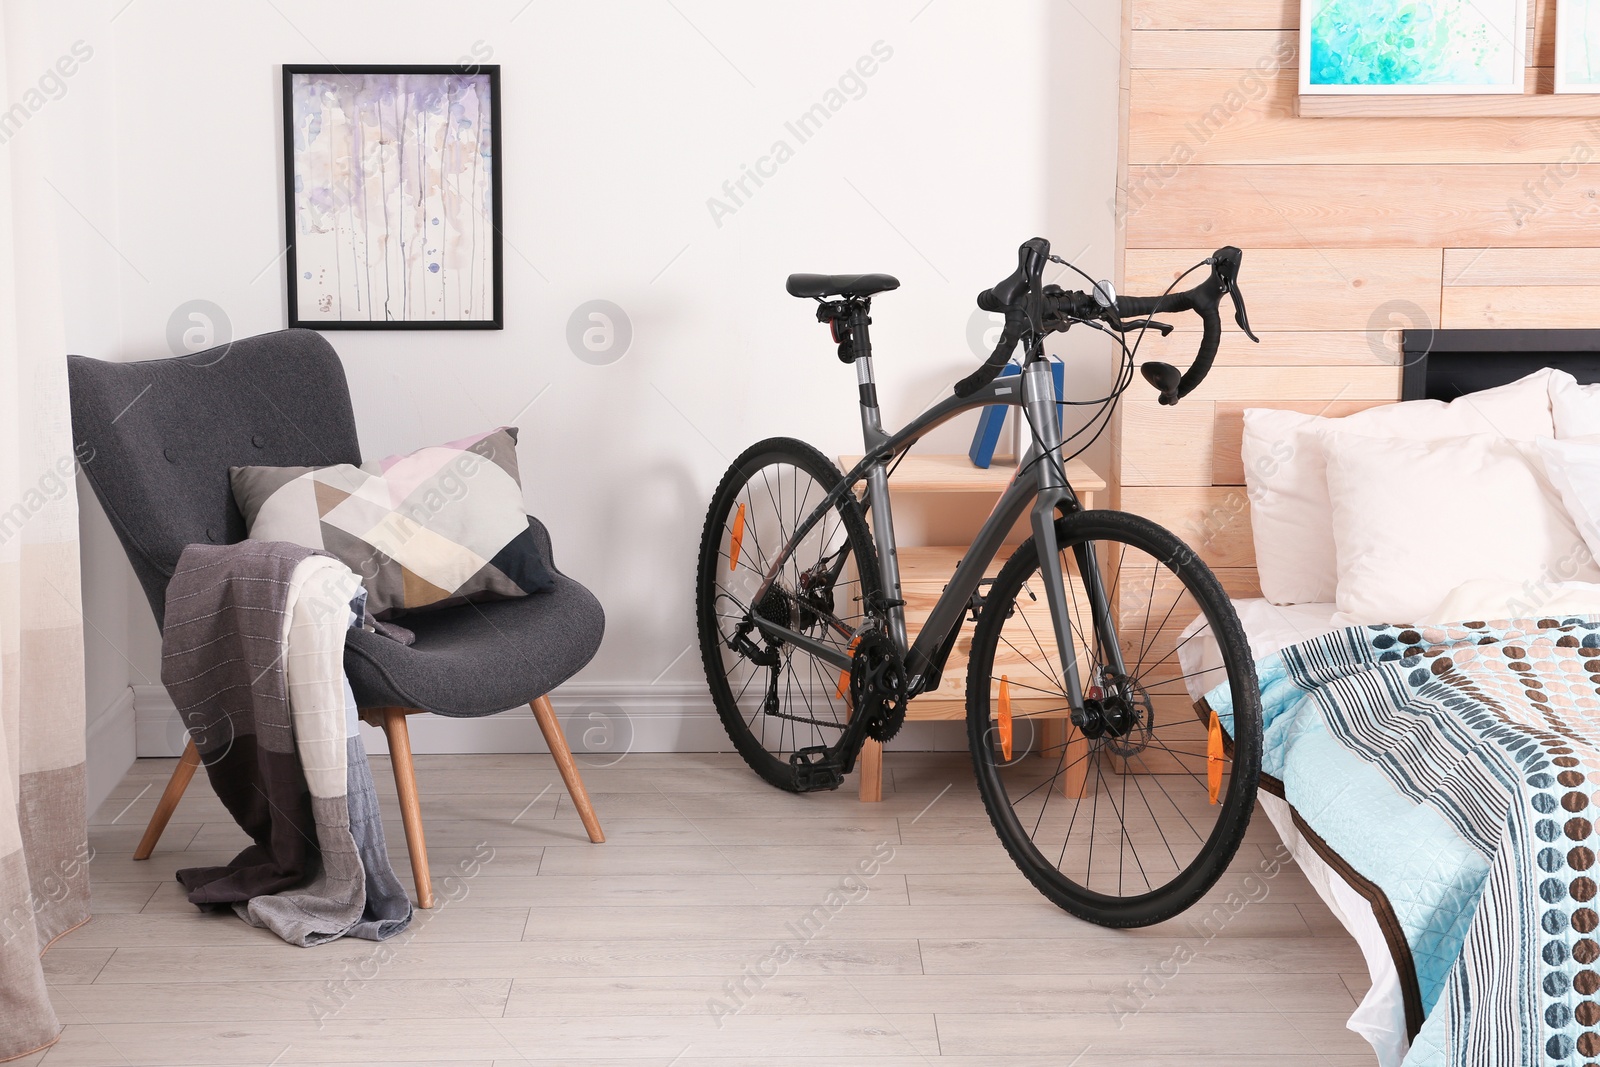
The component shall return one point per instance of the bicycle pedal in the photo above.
(815, 769)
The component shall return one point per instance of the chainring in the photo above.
(878, 686)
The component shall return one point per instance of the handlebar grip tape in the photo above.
(1204, 300)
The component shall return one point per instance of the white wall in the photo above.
(986, 125)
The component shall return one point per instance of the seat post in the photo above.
(866, 384)
(860, 320)
(872, 436)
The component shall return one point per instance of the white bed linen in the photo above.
(1380, 1018)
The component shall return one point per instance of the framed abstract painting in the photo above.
(1380, 47)
(392, 194)
(1578, 46)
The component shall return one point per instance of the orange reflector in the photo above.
(738, 539)
(1214, 758)
(844, 675)
(1004, 715)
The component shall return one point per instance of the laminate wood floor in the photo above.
(722, 923)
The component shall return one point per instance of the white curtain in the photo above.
(44, 877)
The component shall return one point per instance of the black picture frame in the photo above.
(496, 321)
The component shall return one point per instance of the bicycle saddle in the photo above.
(815, 285)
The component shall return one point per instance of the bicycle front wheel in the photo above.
(1132, 804)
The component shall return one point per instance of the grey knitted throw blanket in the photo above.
(252, 654)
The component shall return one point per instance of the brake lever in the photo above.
(1225, 263)
(1238, 313)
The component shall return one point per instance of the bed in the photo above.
(1414, 919)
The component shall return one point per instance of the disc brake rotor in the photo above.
(1133, 715)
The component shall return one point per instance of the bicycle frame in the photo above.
(1047, 490)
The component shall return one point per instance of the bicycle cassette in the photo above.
(878, 686)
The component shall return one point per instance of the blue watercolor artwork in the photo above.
(1412, 46)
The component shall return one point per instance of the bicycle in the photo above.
(802, 624)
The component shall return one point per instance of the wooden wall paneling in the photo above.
(1282, 348)
(1326, 287)
(1520, 287)
(1542, 33)
(1372, 206)
(1209, 15)
(1508, 306)
(1166, 445)
(1198, 50)
(1240, 116)
(1380, 382)
(1214, 520)
(1135, 587)
(1521, 266)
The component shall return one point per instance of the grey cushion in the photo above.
(478, 659)
(158, 438)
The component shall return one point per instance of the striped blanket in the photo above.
(253, 655)
(1480, 743)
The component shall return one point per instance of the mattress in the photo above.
(1380, 1018)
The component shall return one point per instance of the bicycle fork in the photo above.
(1038, 408)
(1056, 495)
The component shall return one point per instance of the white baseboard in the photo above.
(109, 748)
(597, 717)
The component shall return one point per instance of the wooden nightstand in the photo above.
(925, 571)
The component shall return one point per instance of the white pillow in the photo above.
(1488, 599)
(1412, 520)
(1575, 408)
(1573, 467)
(1284, 471)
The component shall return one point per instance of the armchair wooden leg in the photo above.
(405, 783)
(546, 715)
(182, 774)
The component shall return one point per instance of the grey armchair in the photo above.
(157, 439)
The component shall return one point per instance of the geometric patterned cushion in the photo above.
(437, 527)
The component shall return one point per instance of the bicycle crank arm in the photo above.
(824, 766)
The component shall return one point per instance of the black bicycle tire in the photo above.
(805, 457)
(1219, 849)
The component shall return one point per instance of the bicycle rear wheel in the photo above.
(772, 698)
(1138, 805)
